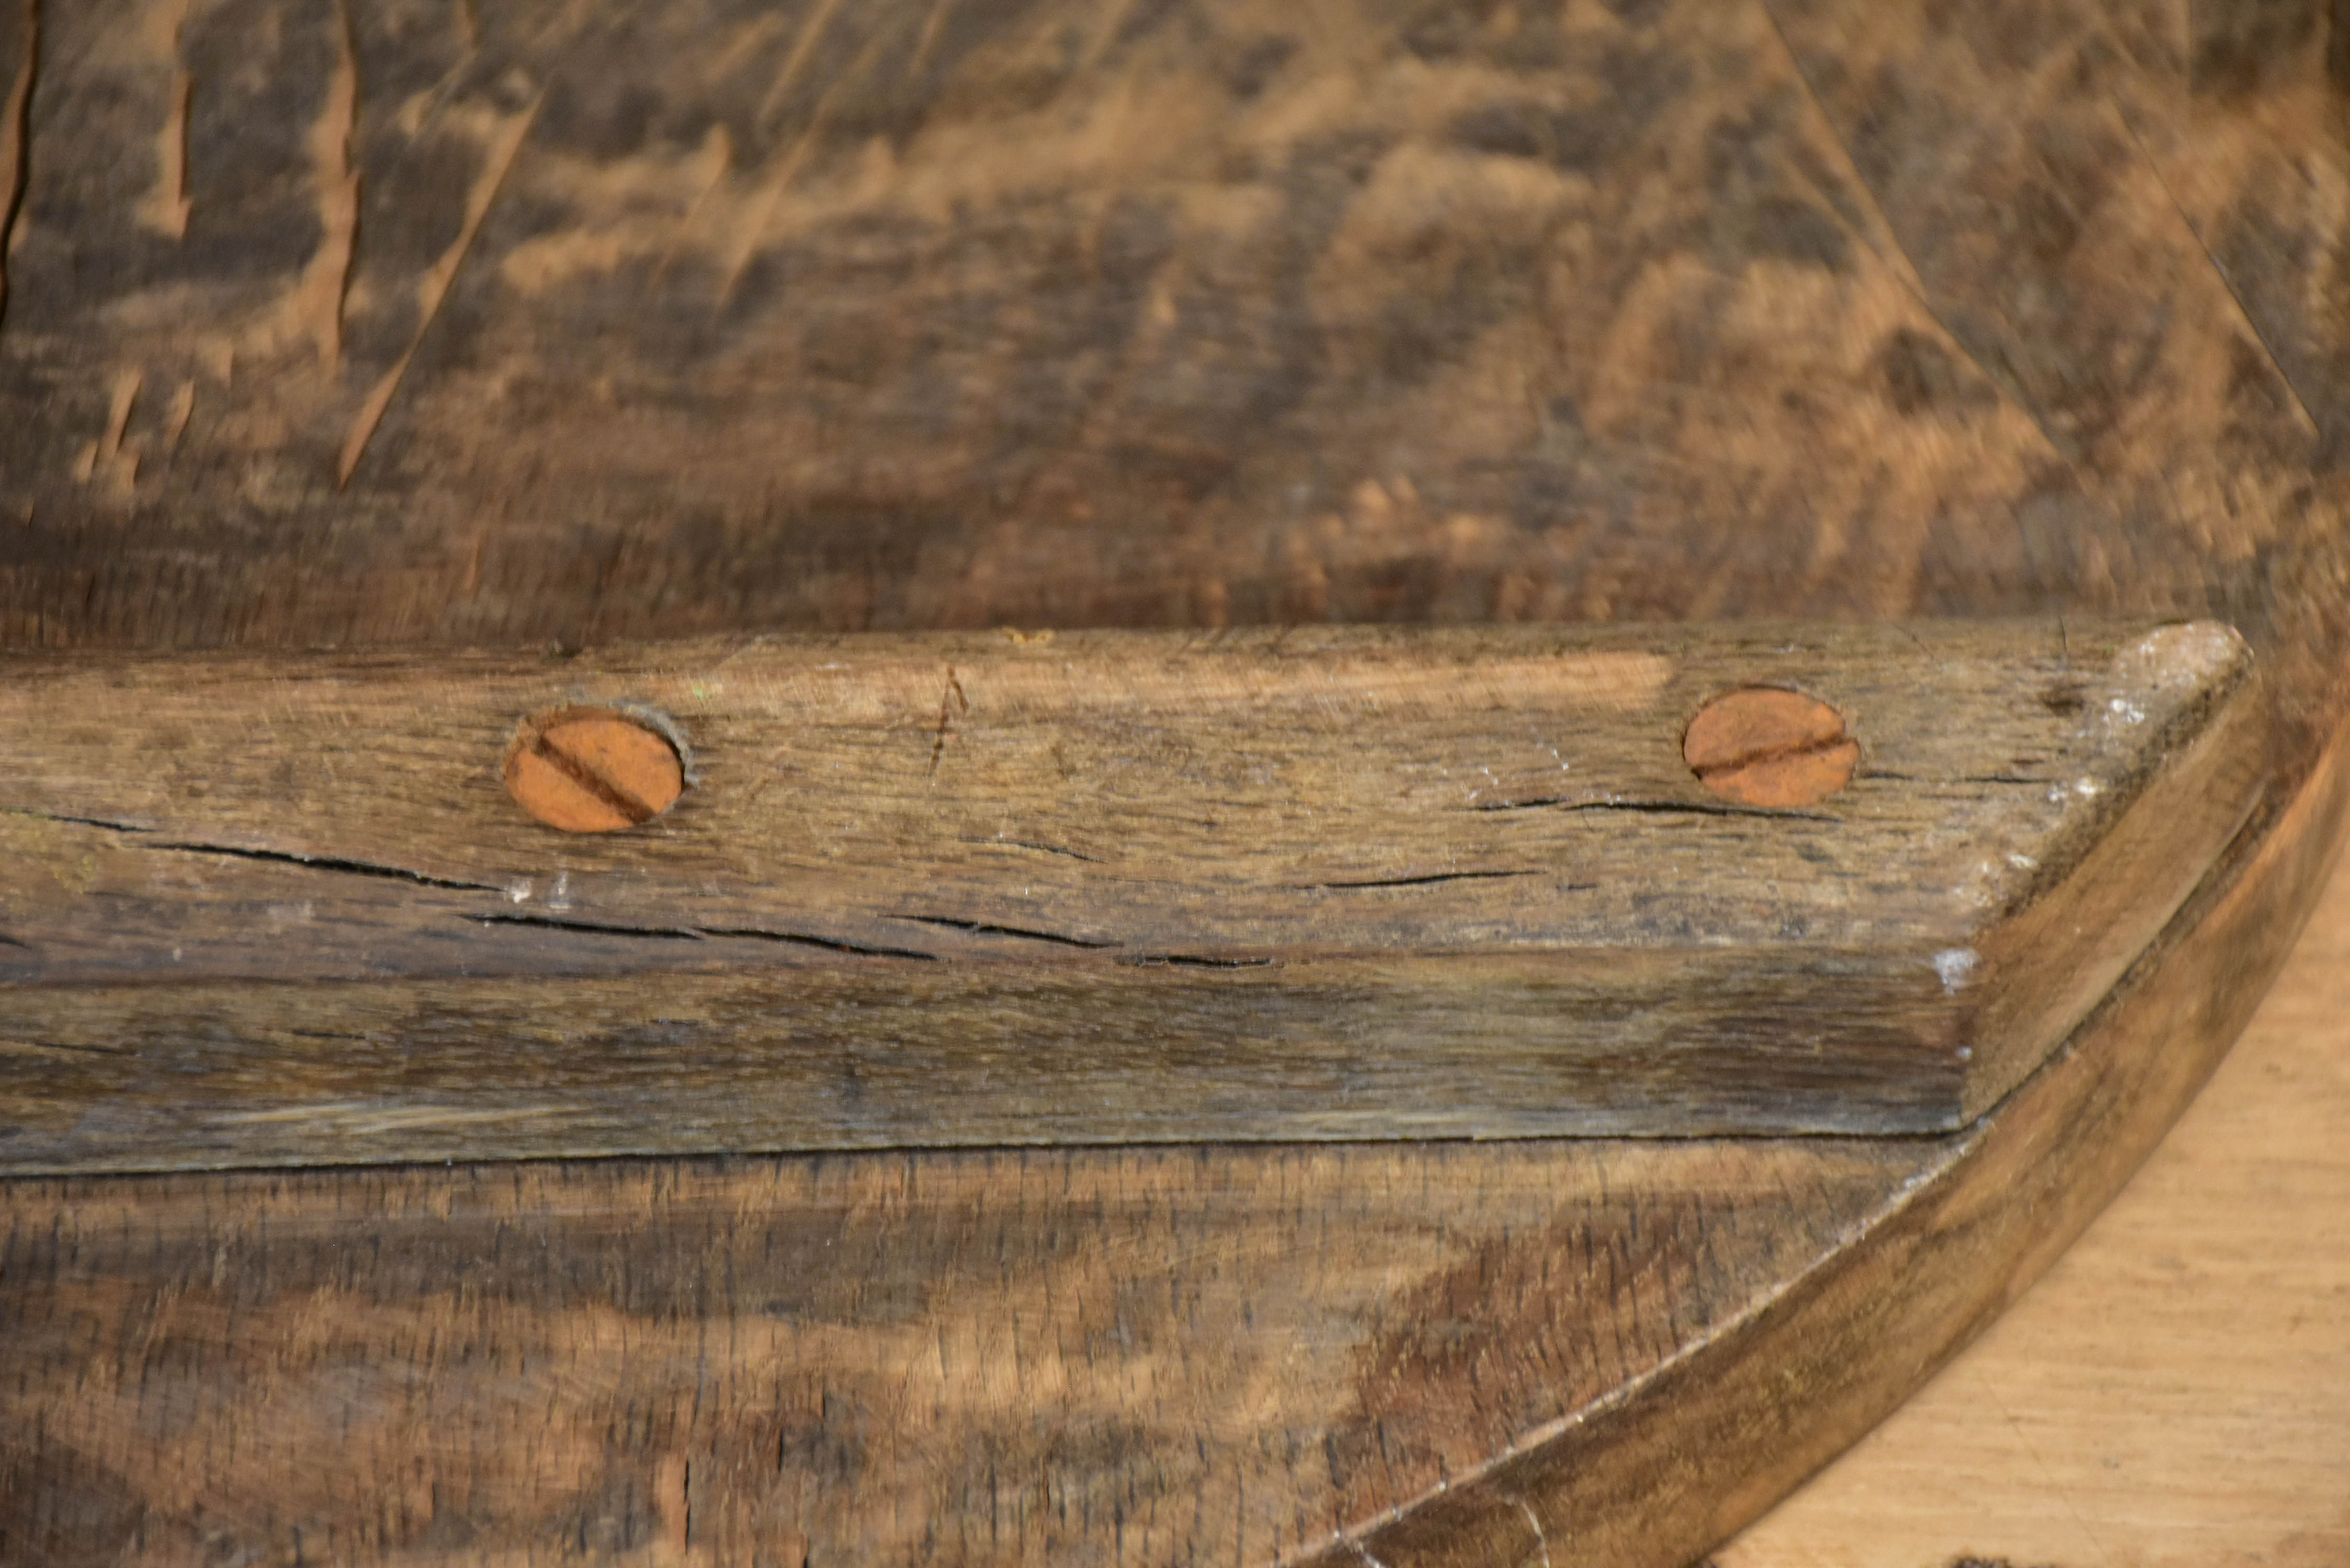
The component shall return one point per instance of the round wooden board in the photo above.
(384, 323)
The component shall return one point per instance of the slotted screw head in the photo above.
(593, 770)
(1763, 746)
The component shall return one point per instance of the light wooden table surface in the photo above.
(2176, 1391)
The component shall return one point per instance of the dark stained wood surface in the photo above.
(374, 323)
(1006, 1356)
(655, 320)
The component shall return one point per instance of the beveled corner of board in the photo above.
(2178, 744)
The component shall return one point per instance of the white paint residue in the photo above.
(1956, 966)
(2180, 656)
(518, 892)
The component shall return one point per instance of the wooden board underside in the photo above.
(1105, 888)
(1076, 1308)
(1423, 1356)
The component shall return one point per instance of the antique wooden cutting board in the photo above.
(1404, 784)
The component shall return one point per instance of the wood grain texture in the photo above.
(1410, 1356)
(1160, 1356)
(2174, 1390)
(433, 326)
(659, 320)
(1104, 889)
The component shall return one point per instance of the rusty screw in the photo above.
(1763, 746)
(592, 770)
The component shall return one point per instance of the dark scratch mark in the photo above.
(802, 938)
(8, 942)
(2000, 779)
(1198, 960)
(320, 863)
(1429, 880)
(1040, 848)
(1654, 807)
(555, 923)
(697, 933)
(75, 821)
(951, 701)
(16, 143)
(432, 291)
(983, 928)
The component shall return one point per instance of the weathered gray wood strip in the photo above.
(1103, 887)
